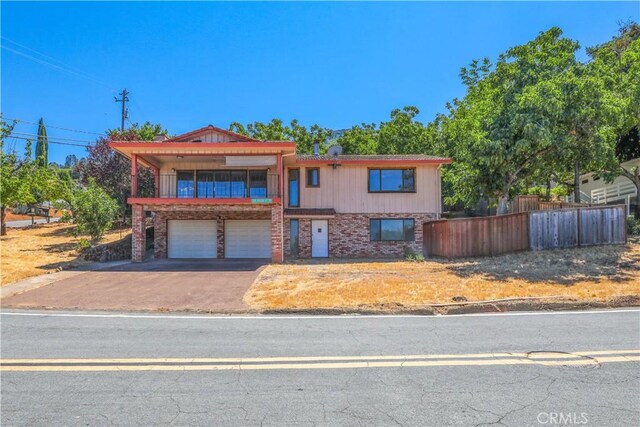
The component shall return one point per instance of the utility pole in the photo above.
(125, 111)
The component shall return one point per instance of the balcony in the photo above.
(209, 187)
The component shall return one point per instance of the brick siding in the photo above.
(220, 213)
(349, 237)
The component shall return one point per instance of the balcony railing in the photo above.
(173, 186)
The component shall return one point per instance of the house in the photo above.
(594, 189)
(219, 194)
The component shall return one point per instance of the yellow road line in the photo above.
(317, 365)
(542, 355)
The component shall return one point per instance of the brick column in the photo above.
(138, 234)
(277, 219)
(160, 236)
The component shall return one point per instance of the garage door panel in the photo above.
(192, 239)
(247, 239)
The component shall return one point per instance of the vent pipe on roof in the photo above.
(316, 148)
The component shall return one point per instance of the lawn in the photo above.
(41, 249)
(591, 274)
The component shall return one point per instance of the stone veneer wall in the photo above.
(349, 237)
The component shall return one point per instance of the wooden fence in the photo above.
(568, 228)
(533, 203)
(472, 237)
(542, 229)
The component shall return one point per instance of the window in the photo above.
(294, 188)
(204, 184)
(392, 180)
(258, 184)
(222, 186)
(392, 230)
(295, 237)
(313, 177)
(185, 184)
(239, 184)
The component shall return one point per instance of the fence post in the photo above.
(579, 220)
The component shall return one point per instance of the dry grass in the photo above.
(42, 249)
(592, 274)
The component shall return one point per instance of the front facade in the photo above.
(218, 194)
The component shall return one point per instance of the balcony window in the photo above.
(239, 184)
(185, 184)
(258, 184)
(204, 184)
(392, 180)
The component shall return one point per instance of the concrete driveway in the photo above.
(164, 285)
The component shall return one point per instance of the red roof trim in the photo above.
(374, 161)
(164, 145)
(208, 129)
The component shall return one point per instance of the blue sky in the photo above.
(192, 64)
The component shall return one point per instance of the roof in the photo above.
(210, 128)
(309, 212)
(418, 158)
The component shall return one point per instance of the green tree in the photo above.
(21, 178)
(403, 134)
(276, 130)
(42, 146)
(94, 211)
(361, 139)
(501, 132)
(112, 170)
(617, 64)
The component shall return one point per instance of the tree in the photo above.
(94, 211)
(403, 134)
(70, 161)
(112, 170)
(499, 133)
(361, 139)
(276, 130)
(617, 64)
(42, 146)
(21, 178)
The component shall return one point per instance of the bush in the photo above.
(633, 226)
(411, 255)
(94, 211)
(83, 244)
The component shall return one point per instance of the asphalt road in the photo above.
(243, 371)
(27, 222)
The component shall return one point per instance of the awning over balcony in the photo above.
(246, 161)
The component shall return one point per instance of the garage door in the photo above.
(247, 239)
(192, 239)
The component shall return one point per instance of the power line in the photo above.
(61, 68)
(56, 127)
(26, 134)
(50, 142)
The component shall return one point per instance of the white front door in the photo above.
(192, 238)
(320, 238)
(247, 239)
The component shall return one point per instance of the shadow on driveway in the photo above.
(161, 285)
